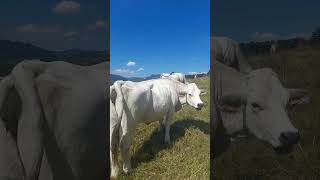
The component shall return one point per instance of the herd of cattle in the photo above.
(53, 114)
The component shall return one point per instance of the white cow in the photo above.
(195, 76)
(256, 102)
(227, 51)
(174, 76)
(53, 121)
(164, 75)
(273, 47)
(144, 102)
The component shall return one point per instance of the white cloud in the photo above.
(124, 72)
(263, 36)
(303, 35)
(131, 63)
(70, 36)
(268, 36)
(140, 69)
(100, 24)
(40, 28)
(67, 7)
(192, 73)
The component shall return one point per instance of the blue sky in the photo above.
(55, 24)
(248, 20)
(151, 37)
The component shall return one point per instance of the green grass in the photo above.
(298, 68)
(188, 155)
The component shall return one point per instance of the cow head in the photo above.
(193, 96)
(262, 109)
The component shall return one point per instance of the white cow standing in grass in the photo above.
(273, 47)
(144, 102)
(228, 52)
(174, 76)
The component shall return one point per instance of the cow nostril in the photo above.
(288, 138)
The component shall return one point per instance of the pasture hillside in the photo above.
(297, 68)
(188, 155)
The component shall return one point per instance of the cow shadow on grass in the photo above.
(156, 142)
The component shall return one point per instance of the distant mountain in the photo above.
(13, 52)
(115, 77)
(153, 76)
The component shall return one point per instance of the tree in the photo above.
(315, 37)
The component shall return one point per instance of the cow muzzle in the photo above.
(199, 106)
(287, 139)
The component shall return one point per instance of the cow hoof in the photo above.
(127, 169)
(114, 172)
(168, 142)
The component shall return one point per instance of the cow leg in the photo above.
(125, 144)
(114, 145)
(160, 125)
(127, 130)
(115, 123)
(167, 129)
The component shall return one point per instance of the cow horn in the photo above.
(296, 93)
(203, 92)
(298, 96)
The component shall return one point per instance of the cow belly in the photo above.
(151, 117)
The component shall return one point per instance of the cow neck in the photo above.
(181, 89)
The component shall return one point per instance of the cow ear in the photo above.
(202, 92)
(298, 96)
(231, 103)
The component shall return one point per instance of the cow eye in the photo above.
(256, 105)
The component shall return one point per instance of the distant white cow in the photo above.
(195, 76)
(144, 102)
(257, 102)
(273, 47)
(174, 76)
(227, 51)
(164, 75)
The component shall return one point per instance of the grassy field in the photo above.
(188, 155)
(297, 68)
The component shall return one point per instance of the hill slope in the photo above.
(12, 53)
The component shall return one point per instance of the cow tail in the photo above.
(119, 98)
(11, 145)
(116, 107)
